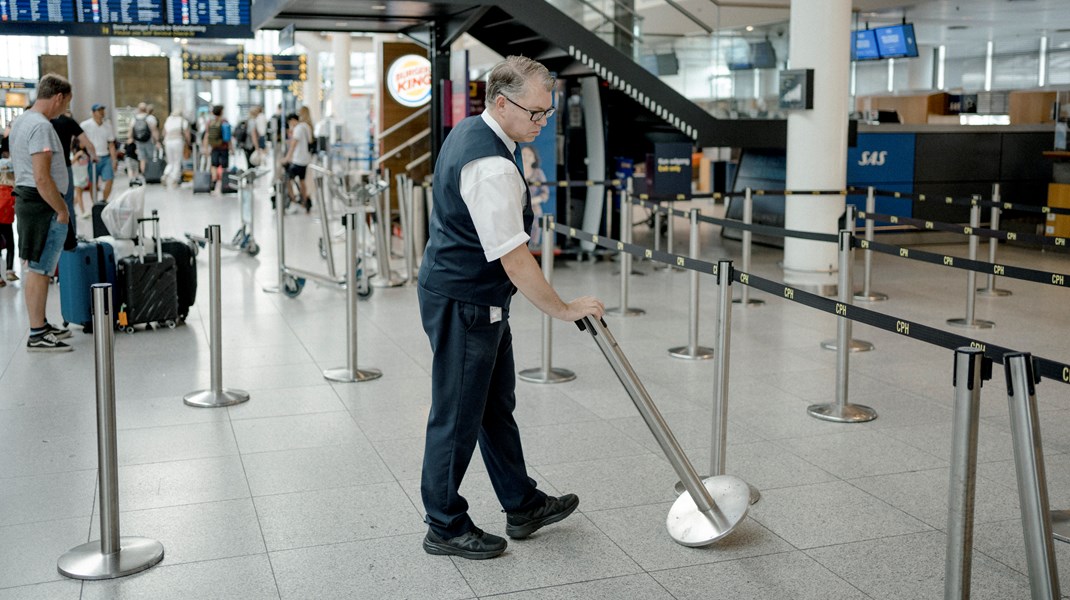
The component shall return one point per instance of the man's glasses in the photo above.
(536, 115)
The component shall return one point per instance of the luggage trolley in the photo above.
(243, 240)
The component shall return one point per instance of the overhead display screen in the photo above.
(864, 45)
(127, 18)
(896, 41)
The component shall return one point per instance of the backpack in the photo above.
(142, 133)
(242, 137)
(225, 132)
(215, 135)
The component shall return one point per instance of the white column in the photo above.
(817, 138)
(92, 76)
(313, 86)
(341, 49)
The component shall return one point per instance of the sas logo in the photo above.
(873, 158)
(409, 80)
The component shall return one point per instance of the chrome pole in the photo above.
(867, 295)
(971, 281)
(748, 218)
(351, 373)
(609, 211)
(692, 351)
(325, 221)
(1032, 481)
(852, 344)
(990, 289)
(625, 258)
(958, 561)
(217, 396)
(405, 209)
(657, 235)
(280, 237)
(113, 556)
(386, 276)
(842, 411)
(547, 373)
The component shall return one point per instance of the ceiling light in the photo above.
(750, 27)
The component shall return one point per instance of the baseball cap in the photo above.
(97, 107)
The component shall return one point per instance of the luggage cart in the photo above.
(243, 240)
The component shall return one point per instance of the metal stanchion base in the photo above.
(684, 352)
(849, 413)
(87, 561)
(634, 272)
(394, 280)
(688, 526)
(628, 312)
(854, 346)
(271, 289)
(755, 495)
(213, 399)
(871, 297)
(992, 293)
(555, 375)
(344, 375)
(975, 324)
(750, 302)
(1060, 525)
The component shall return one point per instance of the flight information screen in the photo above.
(36, 11)
(127, 18)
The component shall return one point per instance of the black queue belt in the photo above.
(752, 227)
(798, 192)
(967, 230)
(1046, 368)
(1056, 279)
(972, 201)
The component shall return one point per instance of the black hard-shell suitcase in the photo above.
(99, 228)
(185, 253)
(202, 177)
(154, 167)
(148, 287)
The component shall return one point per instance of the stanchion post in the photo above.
(280, 237)
(217, 396)
(971, 281)
(670, 236)
(113, 555)
(845, 295)
(625, 258)
(1032, 480)
(405, 209)
(968, 378)
(547, 373)
(748, 218)
(842, 411)
(868, 295)
(351, 373)
(657, 235)
(692, 351)
(990, 289)
(386, 276)
(609, 210)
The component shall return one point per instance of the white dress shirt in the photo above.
(493, 190)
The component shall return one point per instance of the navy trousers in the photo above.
(472, 399)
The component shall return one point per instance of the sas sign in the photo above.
(409, 80)
(872, 158)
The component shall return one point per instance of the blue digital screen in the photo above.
(127, 18)
(896, 41)
(36, 11)
(864, 45)
(209, 12)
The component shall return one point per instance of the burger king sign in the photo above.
(409, 80)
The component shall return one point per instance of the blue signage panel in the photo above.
(864, 45)
(127, 18)
(672, 169)
(36, 11)
(209, 12)
(884, 161)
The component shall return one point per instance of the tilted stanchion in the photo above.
(625, 259)
(351, 373)
(217, 396)
(748, 218)
(280, 237)
(970, 368)
(386, 277)
(868, 295)
(990, 289)
(971, 282)
(692, 351)
(1032, 480)
(842, 411)
(712, 507)
(113, 556)
(547, 373)
(845, 296)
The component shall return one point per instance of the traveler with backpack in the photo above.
(144, 134)
(216, 142)
(247, 137)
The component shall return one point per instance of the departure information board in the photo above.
(127, 18)
(244, 66)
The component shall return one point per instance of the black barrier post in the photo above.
(990, 290)
(845, 295)
(971, 281)
(692, 351)
(867, 295)
(842, 411)
(958, 561)
(547, 373)
(1032, 481)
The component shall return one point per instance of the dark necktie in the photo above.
(517, 158)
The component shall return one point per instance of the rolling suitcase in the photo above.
(99, 228)
(185, 253)
(229, 185)
(202, 177)
(148, 286)
(154, 167)
(79, 269)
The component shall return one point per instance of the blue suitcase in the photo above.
(89, 263)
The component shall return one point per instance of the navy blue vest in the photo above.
(454, 264)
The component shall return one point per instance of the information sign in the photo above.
(127, 18)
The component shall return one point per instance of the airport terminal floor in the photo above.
(311, 489)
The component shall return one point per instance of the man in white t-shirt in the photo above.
(298, 156)
(100, 131)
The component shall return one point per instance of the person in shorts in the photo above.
(42, 216)
(102, 133)
(298, 156)
(217, 142)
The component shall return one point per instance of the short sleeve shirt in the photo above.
(32, 134)
(303, 135)
(493, 190)
(67, 129)
(101, 135)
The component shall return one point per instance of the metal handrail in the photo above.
(626, 30)
(404, 145)
(402, 123)
(422, 159)
(691, 17)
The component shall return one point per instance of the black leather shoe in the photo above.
(474, 545)
(520, 525)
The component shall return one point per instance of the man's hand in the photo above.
(63, 217)
(585, 306)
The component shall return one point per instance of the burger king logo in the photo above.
(409, 80)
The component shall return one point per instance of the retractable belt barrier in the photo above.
(1046, 368)
(967, 230)
(967, 201)
(734, 224)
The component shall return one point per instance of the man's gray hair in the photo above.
(508, 77)
(52, 85)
